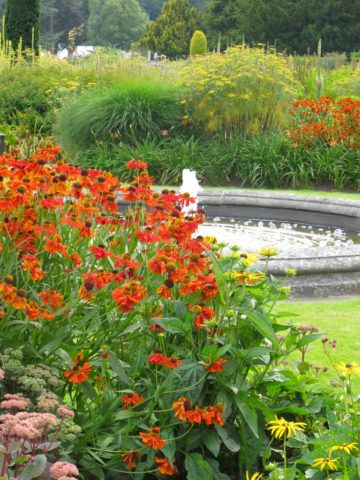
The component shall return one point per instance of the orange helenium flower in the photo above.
(153, 438)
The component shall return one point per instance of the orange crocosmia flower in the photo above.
(164, 466)
(131, 459)
(127, 296)
(80, 370)
(181, 407)
(137, 164)
(216, 366)
(86, 292)
(153, 438)
(173, 362)
(100, 252)
(213, 415)
(76, 259)
(132, 399)
(18, 300)
(1, 313)
(7, 288)
(164, 291)
(203, 314)
(196, 415)
(52, 298)
(54, 245)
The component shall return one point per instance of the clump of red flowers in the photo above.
(80, 371)
(326, 121)
(186, 412)
(153, 439)
(157, 358)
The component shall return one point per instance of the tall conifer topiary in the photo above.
(22, 24)
(198, 44)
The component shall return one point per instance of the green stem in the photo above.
(285, 466)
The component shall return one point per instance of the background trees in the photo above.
(22, 23)
(295, 25)
(116, 23)
(171, 32)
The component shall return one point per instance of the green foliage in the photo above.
(244, 91)
(116, 23)
(198, 44)
(22, 24)
(126, 112)
(291, 24)
(263, 162)
(171, 32)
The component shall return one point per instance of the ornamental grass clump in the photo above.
(170, 354)
(126, 112)
(243, 91)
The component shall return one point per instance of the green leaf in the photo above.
(117, 367)
(219, 276)
(172, 325)
(229, 436)
(263, 326)
(180, 309)
(212, 441)
(35, 468)
(217, 475)
(126, 414)
(249, 413)
(197, 468)
(309, 339)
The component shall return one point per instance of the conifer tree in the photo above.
(22, 24)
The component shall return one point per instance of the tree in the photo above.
(171, 32)
(198, 44)
(116, 23)
(295, 25)
(59, 17)
(152, 7)
(22, 24)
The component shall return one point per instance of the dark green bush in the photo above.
(127, 112)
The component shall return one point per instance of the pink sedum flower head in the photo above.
(61, 470)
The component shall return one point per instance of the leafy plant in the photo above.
(126, 112)
(198, 44)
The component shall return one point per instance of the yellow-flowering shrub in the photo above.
(245, 90)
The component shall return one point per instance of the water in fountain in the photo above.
(252, 235)
(191, 185)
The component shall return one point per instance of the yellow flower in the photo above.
(269, 252)
(348, 368)
(326, 463)
(344, 447)
(256, 476)
(281, 427)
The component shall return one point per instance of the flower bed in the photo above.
(172, 358)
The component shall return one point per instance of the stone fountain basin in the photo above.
(321, 271)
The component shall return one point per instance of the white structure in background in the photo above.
(81, 51)
(62, 54)
(190, 184)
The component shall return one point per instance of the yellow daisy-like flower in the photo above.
(348, 368)
(269, 252)
(326, 463)
(281, 427)
(344, 447)
(256, 476)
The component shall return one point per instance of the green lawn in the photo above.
(338, 320)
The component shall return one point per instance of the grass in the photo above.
(338, 320)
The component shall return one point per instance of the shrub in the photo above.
(198, 44)
(244, 91)
(129, 111)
